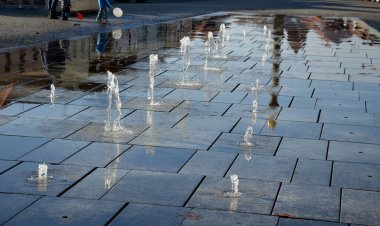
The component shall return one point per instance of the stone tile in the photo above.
(369, 95)
(50, 128)
(299, 91)
(55, 151)
(332, 70)
(302, 148)
(377, 120)
(298, 114)
(16, 180)
(269, 100)
(154, 188)
(227, 97)
(142, 91)
(257, 196)
(364, 78)
(97, 100)
(12, 204)
(331, 85)
(176, 138)
(209, 163)
(56, 111)
(194, 95)
(356, 175)
(5, 165)
(202, 108)
(207, 123)
(329, 76)
(97, 154)
(97, 183)
(234, 143)
(144, 214)
(360, 207)
(336, 94)
(294, 83)
(295, 75)
(308, 202)
(301, 222)
(347, 118)
(96, 114)
(64, 211)
(153, 159)
(362, 86)
(360, 134)
(246, 111)
(160, 104)
(373, 107)
(264, 167)
(16, 109)
(217, 217)
(305, 172)
(340, 105)
(257, 125)
(5, 119)
(294, 129)
(61, 96)
(13, 147)
(304, 103)
(95, 132)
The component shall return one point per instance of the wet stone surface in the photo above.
(309, 89)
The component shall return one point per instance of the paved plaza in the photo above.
(307, 86)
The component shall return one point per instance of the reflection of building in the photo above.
(296, 32)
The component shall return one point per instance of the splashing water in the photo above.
(209, 48)
(248, 136)
(42, 171)
(265, 29)
(234, 187)
(52, 95)
(153, 61)
(185, 45)
(257, 86)
(113, 125)
(222, 41)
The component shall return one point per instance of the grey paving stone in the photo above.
(298, 114)
(305, 172)
(12, 204)
(369, 95)
(5, 165)
(161, 104)
(202, 108)
(360, 207)
(93, 99)
(341, 105)
(227, 97)
(16, 180)
(176, 138)
(216, 217)
(61, 96)
(207, 123)
(295, 74)
(356, 175)
(333, 85)
(65, 211)
(373, 107)
(13, 147)
(234, 143)
(257, 196)
(97, 183)
(336, 94)
(54, 151)
(301, 222)
(50, 128)
(153, 159)
(294, 129)
(354, 152)
(97, 154)
(246, 111)
(209, 163)
(364, 78)
(366, 86)
(16, 109)
(294, 83)
(95, 132)
(328, 76)
(96, 114)
(302, 148)
(347, 118)
(5, 119)
(299, 91)
(269, 100)
(257, 125)
(154, 118)
(154, 188)
(360, 134)
(195, 95)
(308, 202)
(377, 120)
(142, 91)
(144, 214)
(303, 103)
(264, 168)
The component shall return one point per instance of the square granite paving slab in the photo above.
(298, 114)
(336, 94)
(303, 102)
(65, 211)
(195, 95)
(302, 148)
(263, 168)
(23, 179)
(373, 107)
(305, 172)
(271, 100)
(209, 163)
(12, 204)
(154, 118)
(202, 108)
(227, 97)
(153, 159)
(207, 123)
(356, 175)
(308, 202)
(96, 132)
(159, 104)
(333, 85)
(16, 109)
(154, 188)
(256, 196)
(54, 151)
(96, 114)
(347, 118)
(144, 214)
(5, 165)
(61, 96)
(176, 138)
(97, 154)
(13, 147)
(50, 128)
(216, 217)
(341, 105)
(257, 125)
(360, 207)
(360, 134)
(354, 152)
(302, 222)
(96, 184)
(299, 91)
(247, 111)
(306, 130)
(5, 119)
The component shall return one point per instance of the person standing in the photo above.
(52, 9)
(104, 8)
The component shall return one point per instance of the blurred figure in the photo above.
(104, 8)
(65, 9)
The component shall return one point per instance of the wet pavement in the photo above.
(312, 158)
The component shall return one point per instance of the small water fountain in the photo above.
(113, 125)
(234, 187)
(210, 46)
(42, 171)
(52, 95)
(255, 104)
(41, 178)
(256, 87)
(153, 68)
(248, 136)
(222, 42)
(185, 45)
(265, 29)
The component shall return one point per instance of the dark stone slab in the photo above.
(257, 196)
(333, 85)
(354, 152)
(303, 102)
(154, 159)
(61, 96)
(143, 214)
(55, 151)
(154, 188)
(16, 109)
(65, 211)
(246, 111)
(360, 207)
(347, 118)
(302, 222)
(294, 129)
(96, 114)
(298, 92)
(160, 104)
(302, 148)
(356, 175)
(13, 147)
(360, 134)
(195, 95)
(228, 97)
(257, 125)
(5, 165)
(308, 202)
(207, 123)
(154, 118)
(373, 107)
(341, 105)
(305, 172)
(12, 204)
(298, 114)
